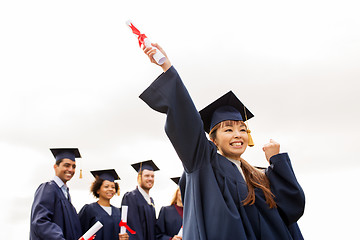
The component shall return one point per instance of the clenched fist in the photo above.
(272, 148)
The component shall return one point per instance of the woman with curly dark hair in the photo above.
(103, 188)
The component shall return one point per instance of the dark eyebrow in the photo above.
(68, 164)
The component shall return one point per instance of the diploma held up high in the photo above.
(144, 40)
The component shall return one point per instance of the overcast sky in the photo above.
(71, 73)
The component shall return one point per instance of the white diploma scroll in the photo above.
(180, 232)
(96, 227)
(124, 212)
(158, 56)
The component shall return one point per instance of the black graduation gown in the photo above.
(141, 216)
(91, 213)
(214, 186)
(168, 223)
(52, 215)
(295, 232)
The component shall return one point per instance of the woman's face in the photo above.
(231, 139)
(107, 190)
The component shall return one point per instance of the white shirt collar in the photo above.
(58, 181)
(145, 195)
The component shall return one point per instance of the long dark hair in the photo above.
(254, 177)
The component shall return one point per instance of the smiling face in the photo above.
(231, 139)
(146, 179)
(65, 170)
(107, 190)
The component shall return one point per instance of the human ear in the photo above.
(214, 141)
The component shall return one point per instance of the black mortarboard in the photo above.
(227, 107)
(61, 153)
(148, 165)
(176, 180)
(108, 174)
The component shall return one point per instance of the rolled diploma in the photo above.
(158, 56)
(180, 232)
(124, 211)
(96, 227)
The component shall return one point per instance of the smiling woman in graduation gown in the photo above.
(109, 216)
(215, 188)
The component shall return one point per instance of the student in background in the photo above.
(52, 214)
(103, 188)
(141, 209)
(170, 217)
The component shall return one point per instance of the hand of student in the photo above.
(151, 51)
(124, 236)
(176, 237)
(272, 148)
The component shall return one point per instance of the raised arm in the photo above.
(184, 127)
(289, 196)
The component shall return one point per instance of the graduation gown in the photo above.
(141, 216)
(215, 188)
(52, 215)
(91, 213)
(295, 232)
(168, 223)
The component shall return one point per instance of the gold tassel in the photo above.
(80, 174)
(118, 192)
(250, 142)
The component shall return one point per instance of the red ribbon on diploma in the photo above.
(92, 237)
(141, 36)
(123, 224)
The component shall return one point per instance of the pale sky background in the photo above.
(71, 73)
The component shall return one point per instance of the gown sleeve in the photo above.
(43, 213)
(295, 232)
(133, 219)
(290, 198)
(184, 127)
(86, 218)
(160, 226)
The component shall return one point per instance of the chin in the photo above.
(147, 187)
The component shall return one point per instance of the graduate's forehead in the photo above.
(67, 162)
(107, 183)
(147, 172)
(231, 123)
